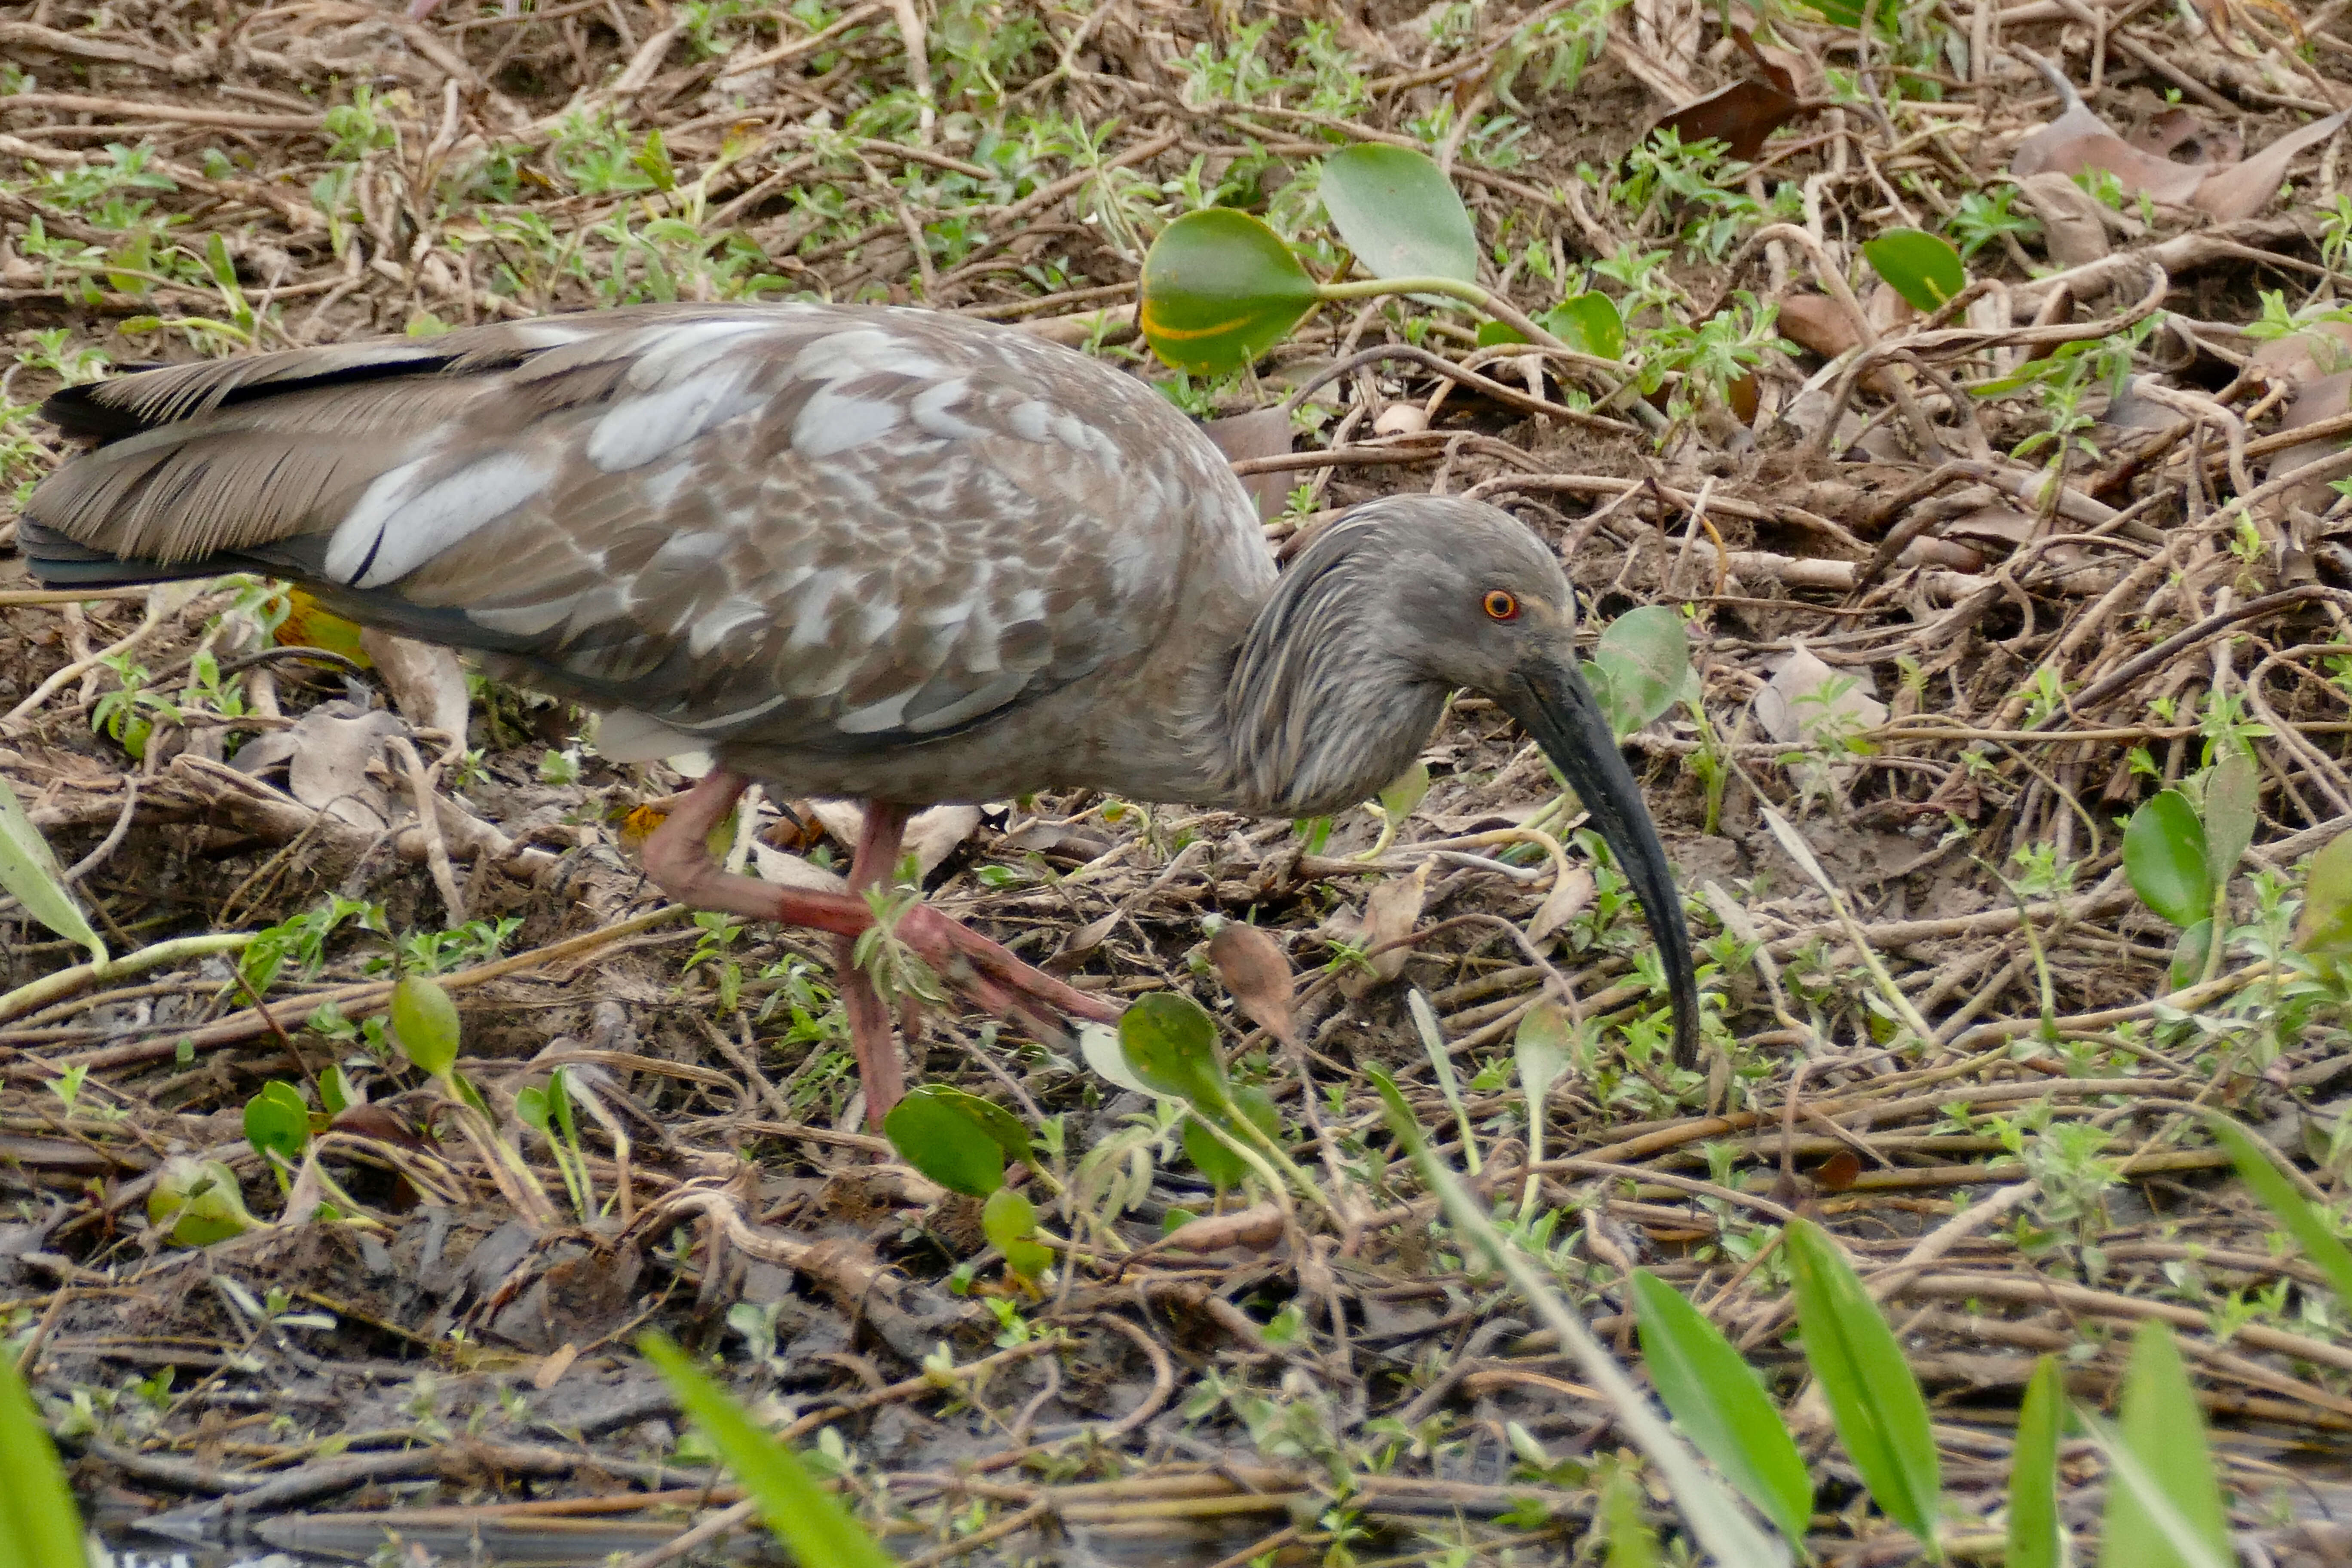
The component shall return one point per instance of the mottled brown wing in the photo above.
(816, 526)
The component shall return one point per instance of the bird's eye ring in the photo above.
(1502, 606)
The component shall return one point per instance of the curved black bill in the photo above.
(1554, 704)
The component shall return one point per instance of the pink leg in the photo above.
(879, 1067)
(677, 857)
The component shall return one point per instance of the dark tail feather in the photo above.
(58, 561)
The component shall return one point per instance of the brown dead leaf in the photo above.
(425, 681)
(1256, 1228)
(1568, 897)
(1743, 115)
(1837, 1172)
(1254, 969)
(1815, 322)
(2074, 232)
(1390, 912)
(1807, 699)
(328, 770)
(2078, 139)
(1263, 433)
(2307, 355)
(2178, 133)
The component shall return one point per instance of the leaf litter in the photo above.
(2111, 599)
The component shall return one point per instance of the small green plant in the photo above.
(2180, 854)
(962, 1143)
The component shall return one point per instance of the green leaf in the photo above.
(805, 1518)
(2229, 797)
(1169, 1042)
(425, 1022)
(1099, 1045)
(335, 1091)
(2164, 855)
(200, 1200)
(1873, 1397)
(936, 1129)
(1643, 663)
(1632, 1542)
(2325, 930)
(1218, 289)
(2163, 1430)
(2189, 955)
(1921, 266)
(2311, 1229)
(29, 874)
(1008, 1218)
(1493, 334)
(2035, 1535)
(277, 1121)
(530, 1104)
(1721, 1529)
(1590, 324)
(1721, 1407)
(1397, 800)
(38, 1525)
(1399, 213)
(1210, 1154)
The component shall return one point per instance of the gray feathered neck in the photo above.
(1327, 703)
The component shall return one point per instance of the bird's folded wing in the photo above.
(823, 527)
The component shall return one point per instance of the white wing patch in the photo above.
(636, 431)
(394, 527)
(835, 421)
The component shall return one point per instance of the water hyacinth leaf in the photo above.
(1643, 661)
(425, 1022)
(1715, 1396)
(1590, 324)
(1715, 1520)
(802, 1515)
(935, 1133)
(29, 873)
(2163, 1430)
(2034, 1531)
(39, 1527)
(1008, 1218)
(2311, 1231)
(1170, 1043)
(1873, 1397)
(2230, 800)
(1921, 266)
(2163, 857)
(1399, 213)
(2324, 928)
(1220, 289)
(278, 1122)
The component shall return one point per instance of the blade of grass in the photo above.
(1873, 1397)
(38, 1525)
(1712, 1513)
(2312, 1232)
(2162, 1433)
(806, 1519)
(1440, 1066)
(1722, 1408)
(2035, 1536)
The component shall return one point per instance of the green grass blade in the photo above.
(1721, 1407)
(1713, 1515)
(2320, 1244)
(29, 873)
(2162, 1519)
(1873, 1397)
(2036, 1538)
(806, 1519)
(39, 1527)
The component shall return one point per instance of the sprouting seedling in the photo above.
(1541, 1049)
(1397, 802)
(425, 1026)
(2180, 856)
(1168, 1043)
(547, 1112)
(963, 1142)
(278, 1125)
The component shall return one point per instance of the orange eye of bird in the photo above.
(1502, 606)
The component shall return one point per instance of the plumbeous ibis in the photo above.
(888, 554)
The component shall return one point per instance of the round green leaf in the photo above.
(2164, 855)
(277, 1121)
(425, 1021)
(1492, 335)
(1921, 266)
(1399, 213)
(2326, 929)
(1645, 663)
(200, 1200)
(1589, 323)
(1008, 1217)
(530, 1104)
(935, 1130)
(1170, 1043)
(1218, 289)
